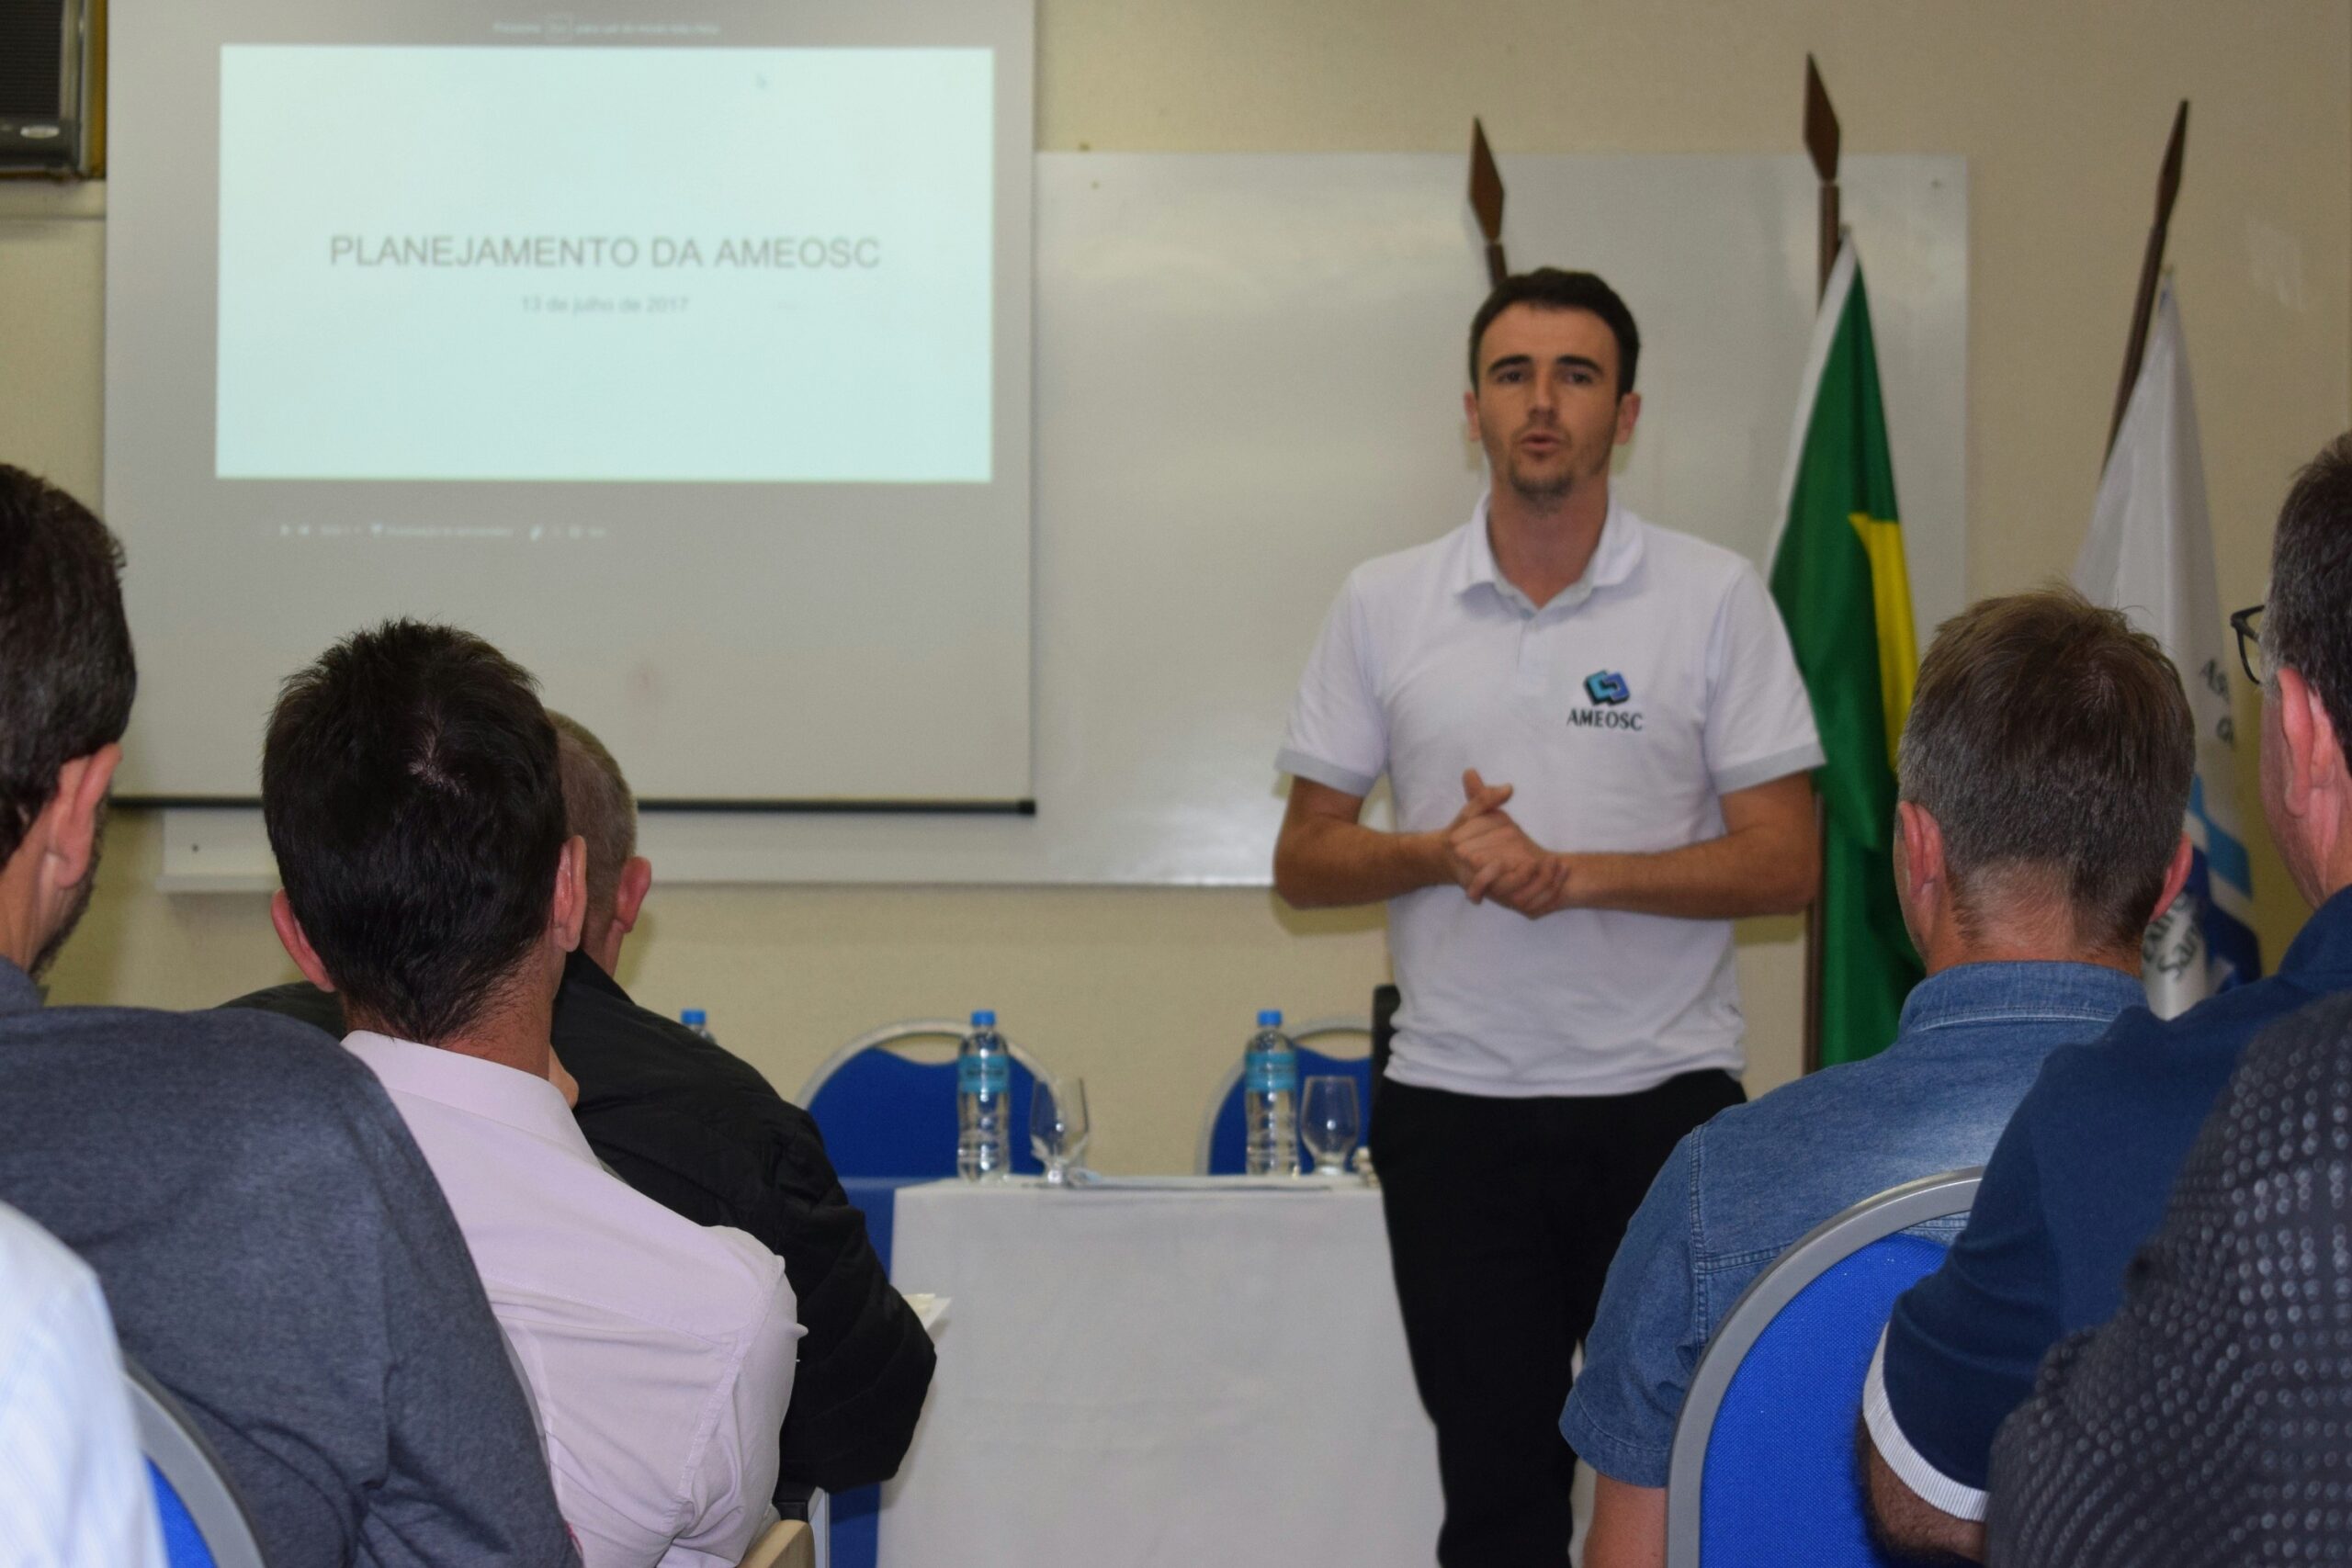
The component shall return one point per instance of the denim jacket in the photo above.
(1743, 1189)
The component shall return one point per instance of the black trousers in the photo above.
(1502, 1217)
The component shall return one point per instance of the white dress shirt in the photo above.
(660, 1352)
(73, 1490)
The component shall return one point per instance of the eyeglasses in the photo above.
(2247, 624)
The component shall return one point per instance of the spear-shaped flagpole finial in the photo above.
(1486, 202)
(1821, 140)
(2152, 265)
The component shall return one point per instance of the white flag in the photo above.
(2150, 553)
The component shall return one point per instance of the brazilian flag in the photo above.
(1839, 578)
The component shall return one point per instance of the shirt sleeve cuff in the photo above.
(1764, 770)
(1932, 1486)
(1298, 764)
(1620, 1459)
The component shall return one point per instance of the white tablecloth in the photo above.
(1165, 1378)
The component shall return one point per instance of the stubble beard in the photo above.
(1546, 493)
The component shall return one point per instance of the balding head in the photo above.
(598, 806)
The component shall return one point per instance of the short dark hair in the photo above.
(2307, 623)
(66, 673)
(597, 806)
(2046, 736)
(410, 787)
(1551, 288)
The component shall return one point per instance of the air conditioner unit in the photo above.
(51, 98)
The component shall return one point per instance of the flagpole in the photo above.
(1486, 202)
(2151, 263)
(1821, 140)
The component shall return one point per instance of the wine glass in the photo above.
(1326, 1121)
(1058, 1126)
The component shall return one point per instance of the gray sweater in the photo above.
(276, 1252)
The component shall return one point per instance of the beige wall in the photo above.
(2059, 107)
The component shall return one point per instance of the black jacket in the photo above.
(701, 1132)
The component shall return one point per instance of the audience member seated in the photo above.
(2079, 1177)
(703, 1133)
(74, 1491)
(410, 791)
(2208, 1422)
(2027, 912)
(271, 1247)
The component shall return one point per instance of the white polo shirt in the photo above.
(1621, 713)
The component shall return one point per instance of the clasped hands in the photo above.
(1493, 858)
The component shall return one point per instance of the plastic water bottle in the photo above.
(983, 1116)
(699, 1021)
(1270, 1099)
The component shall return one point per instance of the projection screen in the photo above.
(684, 352)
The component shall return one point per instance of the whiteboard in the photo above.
(1248, 379)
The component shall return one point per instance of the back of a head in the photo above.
(66, 673)
(410, 791)
(2053, 746)
(599, 809)
(2307, 625)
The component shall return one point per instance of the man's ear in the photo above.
(570, 907)
(1918, 849)
(297, 943)
(2184, 854)
(1629, 414)
(2311, 742)
(73, 812)
(628, 896)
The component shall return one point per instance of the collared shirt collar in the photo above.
(2324, 945)
(493, 1091)
(17, 991)
(1614, 556)
(1990, 992)
(579, 970)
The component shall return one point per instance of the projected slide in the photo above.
(721, 264)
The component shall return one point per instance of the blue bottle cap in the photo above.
(1272, 1018)
(694, 1015)
(984, 1018)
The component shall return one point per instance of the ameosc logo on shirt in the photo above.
(1608, 693)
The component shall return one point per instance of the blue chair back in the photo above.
(1228, 1141)
(183, 1542)
(884, 1115)
(1763, 1462)
(205, 1523)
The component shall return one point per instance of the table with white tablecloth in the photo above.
(1160, 1374)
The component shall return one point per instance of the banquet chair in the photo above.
(1223, 1146)
(205, 1524)
(886, 1110)
(1762, 1467)
(787, 1544)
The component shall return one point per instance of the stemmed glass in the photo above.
(1327, 1121)
(1058, 1126)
